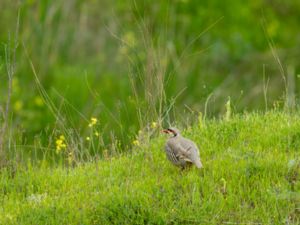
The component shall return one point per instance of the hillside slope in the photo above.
(250, 176)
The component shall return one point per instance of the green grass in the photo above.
(112, 59)
(250, 176)
(126, 64)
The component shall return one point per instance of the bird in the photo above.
(181, 151)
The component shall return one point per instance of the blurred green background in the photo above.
(131, 63)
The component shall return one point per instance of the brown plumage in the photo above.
(181, 151)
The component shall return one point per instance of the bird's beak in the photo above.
(165, 131)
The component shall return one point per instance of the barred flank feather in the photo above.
(171, 155)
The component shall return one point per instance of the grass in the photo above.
(250, 176)
(129, 70)
(132, 59)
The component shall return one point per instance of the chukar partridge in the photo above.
(181, 151)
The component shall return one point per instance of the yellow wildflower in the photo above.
(93, 121)
(153, 125)
(136, 143)
(88, 138)
(62, 137)
(60, 144)
(38, 101)
(97, 134)
(18, 105)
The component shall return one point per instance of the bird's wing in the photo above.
(185, 158)
(190, 151)
(188, 146)
(184, 153)
(184, 149)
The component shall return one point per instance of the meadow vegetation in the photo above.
(250, 176)
(130, 63)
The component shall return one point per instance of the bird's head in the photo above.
(172, 130)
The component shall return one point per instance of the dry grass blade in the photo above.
(10, 61)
